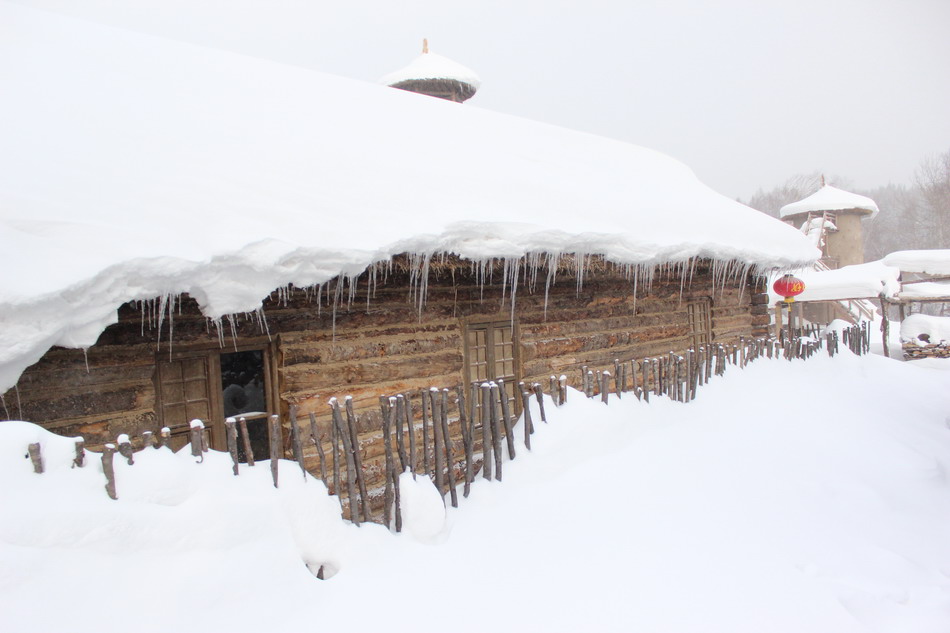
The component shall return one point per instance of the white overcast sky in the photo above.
(746, 92)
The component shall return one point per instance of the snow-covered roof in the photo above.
(133, 167)
(860, 281)
(432, 66)
(830, 198)
(930, 262)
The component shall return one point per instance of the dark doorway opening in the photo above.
(244, 394)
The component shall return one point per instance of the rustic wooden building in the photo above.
(248, 249)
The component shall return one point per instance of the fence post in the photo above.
(35, 457)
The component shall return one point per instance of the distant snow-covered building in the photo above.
(189, 233)
(436, 76)
(833, 217)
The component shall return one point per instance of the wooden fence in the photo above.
(482, 414)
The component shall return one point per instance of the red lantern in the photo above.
(789, 287)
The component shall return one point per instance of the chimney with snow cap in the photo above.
(436, 76)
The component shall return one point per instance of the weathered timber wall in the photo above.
(382, 347)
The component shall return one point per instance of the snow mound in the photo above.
(924, 329)
(826, 512)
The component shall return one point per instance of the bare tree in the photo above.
(933, 183)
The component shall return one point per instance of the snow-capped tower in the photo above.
(436, 76)
(836, 215)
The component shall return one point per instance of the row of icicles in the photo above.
(514, 272)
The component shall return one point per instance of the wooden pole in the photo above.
(555, 392)
(275, 452)
(147, 439)
(562, 387)
(166, 435)
(230, 432)
(778, 319)
(425, 431)
(353, 424)
(35, 457)
(80, 458)
(486, 430)
(248, 453)
(319, 446)
(495, 428)
(295, 441)
(604, 385)
(344, 434)
(400, 439)
(197, 429)
(438, 439)
(388, 479)
(466, 440)
(646, 371)
(125, 448)
(539, 396)
(506, 418)
(526, 407)
(108, 451)
(410, 429)
(448, 448)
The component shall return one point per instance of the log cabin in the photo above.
(190, 233)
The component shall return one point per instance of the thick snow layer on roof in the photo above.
(860, 281)
(830, 198)
(934, 329)
(133, 167)
(930, 262)
(433, 66)
(925, 289)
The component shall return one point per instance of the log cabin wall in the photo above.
(383, 346)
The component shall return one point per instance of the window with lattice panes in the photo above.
(492, 355)
(699, 314)
(211, 385)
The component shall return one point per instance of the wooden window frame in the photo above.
(699, 318)
(490, 323)
(212, 353)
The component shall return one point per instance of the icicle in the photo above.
(85, 357)
(234, 337)
(514, 288)
(504, 282)
(262, 322)
(161, 319)
(19, 404)
(552, 261)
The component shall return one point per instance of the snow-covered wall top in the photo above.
(133, 167)
(935, 330)
(432, 66)
(830, 198)
(930, 262)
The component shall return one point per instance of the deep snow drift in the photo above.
(789, 496)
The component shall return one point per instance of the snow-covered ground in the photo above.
(790, 496)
